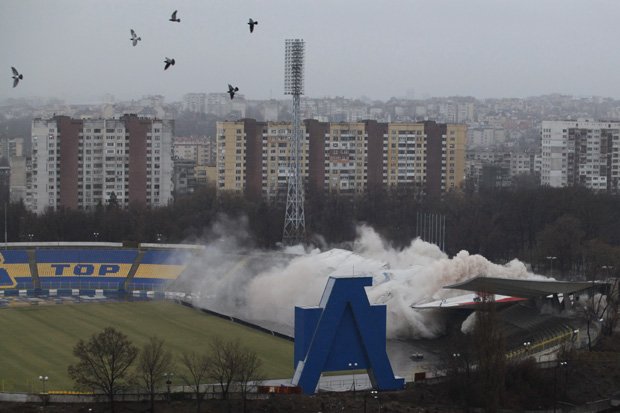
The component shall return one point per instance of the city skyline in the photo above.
(76, 51)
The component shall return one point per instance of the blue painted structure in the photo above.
(344, 333)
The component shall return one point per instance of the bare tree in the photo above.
(103, 363)
(153, 362)
(248, 373)
(224, 364)
(197, 366)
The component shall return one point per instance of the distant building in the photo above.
(342, 157)
(198, 149)
(205, 175)
(184, 176)
(5, 181)
(500, 169)
(221, 105)
(195, 102)
(11, 147)
(79, 164)
(19, 178)
(582, 152)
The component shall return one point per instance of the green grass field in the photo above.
(38, 340)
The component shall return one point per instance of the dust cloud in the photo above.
(233, 277)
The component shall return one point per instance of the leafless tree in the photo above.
(249, 372)
(224, 363)
(103, 363)
(197, 367)
(234, 365)
(153, 362)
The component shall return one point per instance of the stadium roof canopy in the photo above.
(520, 288)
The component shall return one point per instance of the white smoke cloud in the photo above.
(266, 286)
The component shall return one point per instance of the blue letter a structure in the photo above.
(344, 333)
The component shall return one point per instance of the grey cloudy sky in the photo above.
(80, 49)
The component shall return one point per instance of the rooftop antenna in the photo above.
(294, 218)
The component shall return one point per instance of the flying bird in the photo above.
(134, 37)
(169, 62)
(232, 90)
(252, 23)
(16, 76)
(173, 18)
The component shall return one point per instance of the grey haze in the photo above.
(80, 49)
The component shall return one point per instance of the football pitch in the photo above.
(38, 340)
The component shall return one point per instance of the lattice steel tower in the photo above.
(294, 220)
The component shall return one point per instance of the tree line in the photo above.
(110, 364)
(564, 231)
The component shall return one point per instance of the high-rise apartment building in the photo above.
(404, 155)
(582, 152)
(79, 164)
(344, 157)
(276, 153)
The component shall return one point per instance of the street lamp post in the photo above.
(374, 394)
(43, 380)
(168, 377)
(551, 259)
(96, 236)
(160, 237)
(456, 357)
(351, 366)
(555, 383)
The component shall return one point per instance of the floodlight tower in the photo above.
(294, 220)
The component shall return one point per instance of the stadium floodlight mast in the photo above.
(294, 218)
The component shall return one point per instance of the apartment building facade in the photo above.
(341, 157)
(79, 164)
(582, 152)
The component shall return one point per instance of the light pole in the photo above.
(373, 393)
(30, 237)
(43, 380)
(168, 377)
(160, 237)
(353, 365)
(551, 259)
(96, 236)
(526, 346)
(555, 383)
(455, 358)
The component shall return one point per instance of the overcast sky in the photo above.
(80, 49)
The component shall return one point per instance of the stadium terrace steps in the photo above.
(34, 271)
(134, 268)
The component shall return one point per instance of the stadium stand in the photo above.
(35, 268)
(15, 270)
(158, 267)
(84, 268)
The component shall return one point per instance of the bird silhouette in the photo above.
(252, 23)
(134, 38)
(16, 76)
(169, 62)
(232, 90)
(173, 18)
